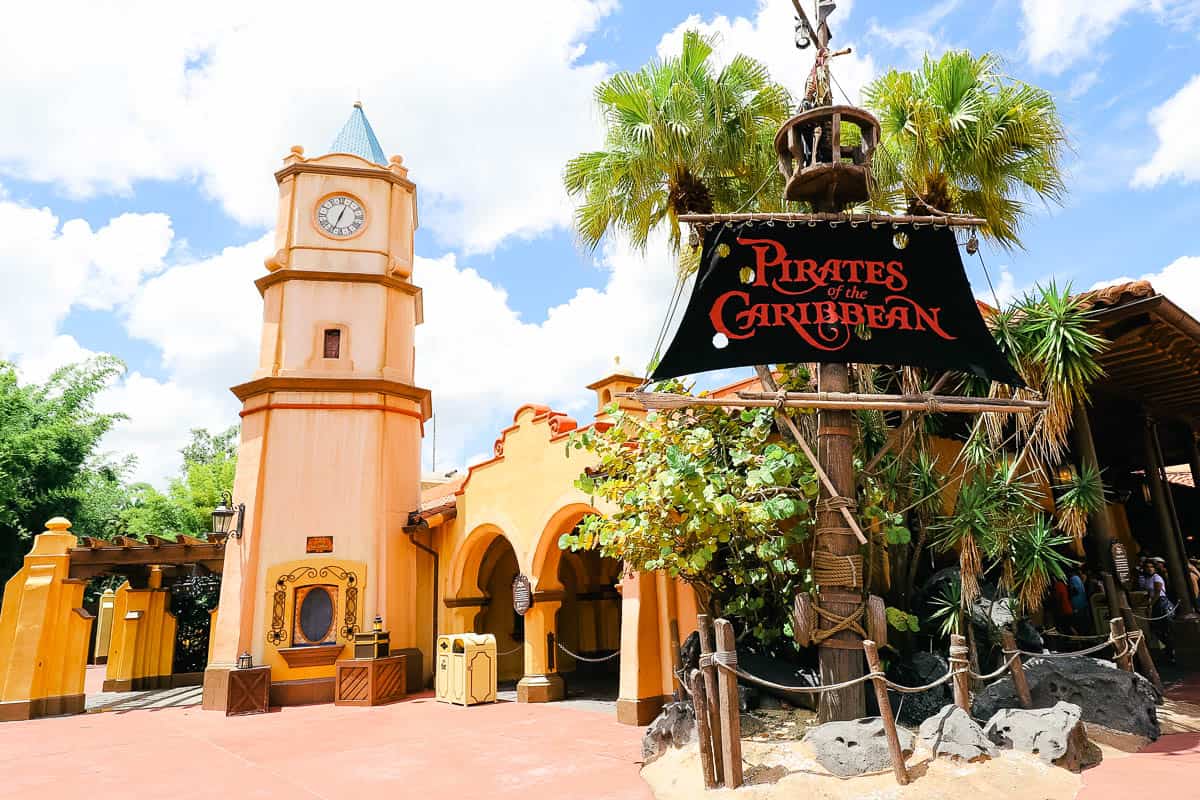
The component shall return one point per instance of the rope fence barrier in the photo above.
(587, 659)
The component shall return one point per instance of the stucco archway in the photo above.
(587, 620)
(547, 557)
(479, 596)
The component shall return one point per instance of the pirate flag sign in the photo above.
(772, 293)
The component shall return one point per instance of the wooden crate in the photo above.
(249, 691)
(370, 681)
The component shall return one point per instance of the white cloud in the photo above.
(1179, 280)
(1060, 32)
(161, 414)
(485, 104)
(197, 313)
(1178, 153)
(918, 35)
(37, 364)
(766, 37)
(482, 361)
(46, 268)
(205, 316)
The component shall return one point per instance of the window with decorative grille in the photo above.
(333, 343)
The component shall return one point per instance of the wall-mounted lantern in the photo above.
(223, 514)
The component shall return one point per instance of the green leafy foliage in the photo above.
(209, 463)
(959, 136)
(712, 497)
(682, 135)
(1081, 495)
(949, 609)
(903, 621)
(49, 433)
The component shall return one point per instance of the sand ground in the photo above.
(778, 766)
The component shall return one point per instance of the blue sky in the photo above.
(136, 189)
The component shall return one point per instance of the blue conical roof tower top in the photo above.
(357, 138)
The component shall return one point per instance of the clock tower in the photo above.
(329, 460)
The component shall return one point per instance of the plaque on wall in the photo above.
(522, 594)
(319, 544)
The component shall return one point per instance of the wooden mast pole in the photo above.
(840, 654)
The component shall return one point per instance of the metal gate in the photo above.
(192, 601)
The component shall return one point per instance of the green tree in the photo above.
(680, 137)
(209, 463)
(960, 137)
(49, 433)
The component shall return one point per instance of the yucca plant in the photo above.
(1057, 353)
(949, 609)
(1080, 495)
(1037, 561)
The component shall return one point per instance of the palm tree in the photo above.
(959, 137)
(681, 137)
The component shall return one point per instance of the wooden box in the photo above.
(249, 691)
(372, 644)
(370, 681)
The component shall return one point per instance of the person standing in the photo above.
(1077, 591)
(1161, 609)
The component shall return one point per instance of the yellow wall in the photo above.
(104, 620)
(348, 576)
(44, 632)
(142, 646)
(526, 495)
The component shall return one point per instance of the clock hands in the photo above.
(338, 221)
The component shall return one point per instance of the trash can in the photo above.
(466, 668)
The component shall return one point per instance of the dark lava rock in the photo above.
(1028, 637)
(854, 748)
(918, 669)
(748, 698)
(782, 673)
(689, 653)
(1106, 695)
(674, 726)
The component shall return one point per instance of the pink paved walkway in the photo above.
(1168, 769)
(414, 749)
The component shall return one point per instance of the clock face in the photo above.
(341, 216)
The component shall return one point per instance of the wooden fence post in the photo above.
(705, 628)
(885, 712)
(1116, 628)
(1018, 669)
(731, 721)
(1144, 658)
(708, 756)
(959, 663)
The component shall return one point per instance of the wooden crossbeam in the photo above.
(842, 401)
(156, 541)
(950, 220)
(906, 427)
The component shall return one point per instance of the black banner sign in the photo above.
(769, 293)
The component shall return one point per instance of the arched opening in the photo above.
(497, 569)
(589, 625)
